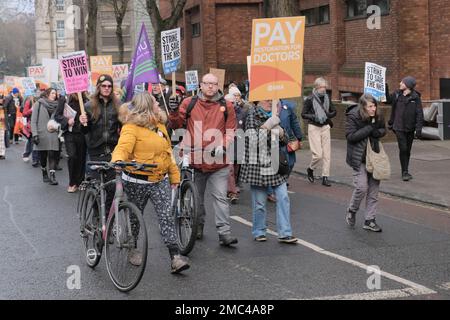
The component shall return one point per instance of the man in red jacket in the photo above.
(210, 122)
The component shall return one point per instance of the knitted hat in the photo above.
(410, 82)
(103, 78)
(15, 91)
(234, 91)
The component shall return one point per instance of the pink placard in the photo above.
(75, 72)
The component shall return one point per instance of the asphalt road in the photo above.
(39, 243)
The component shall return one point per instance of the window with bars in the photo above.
(60, 5)
(358, 8)
(60, 30)
(319, 15)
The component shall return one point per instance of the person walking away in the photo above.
(12, 102)
(363, 125)
(46, 142)
(406, 119)
(73, 138)
(144, 139)
(258, 171)
(210, 110)
(318, 111)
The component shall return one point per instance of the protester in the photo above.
(119, 93)
(363, 125)
(144, 139)
(73, 139)
(27, 133)
(406, 119)
(241, 108)
(210, 110)
(101, 127)
(161, 94)
(46, 142)
(12, 103)
(3, 129)
(319, 111)
(258, 171)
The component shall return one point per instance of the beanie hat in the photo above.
(103, 78)
(410, 82)
(234, 91)
(15, 91)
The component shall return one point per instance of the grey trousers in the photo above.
(213, 187)
(365, 186)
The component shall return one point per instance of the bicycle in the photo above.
(185, 203)
(122, 233)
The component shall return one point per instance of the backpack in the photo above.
(194, 100)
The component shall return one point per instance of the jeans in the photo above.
(405, 142)
(259, 208)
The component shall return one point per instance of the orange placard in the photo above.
(277, 58)
(100, 65)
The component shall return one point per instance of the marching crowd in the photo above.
(142, 130)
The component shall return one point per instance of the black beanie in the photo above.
(410, 82)
(103, 78)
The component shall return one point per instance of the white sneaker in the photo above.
(26, 160)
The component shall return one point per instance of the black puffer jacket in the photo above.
(102, 135)
(413, 114)
(358, 132)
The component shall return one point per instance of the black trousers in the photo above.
(405, 142)
(51, 156)
(76, 150)
(12, 124)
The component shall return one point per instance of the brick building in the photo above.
(413, 39)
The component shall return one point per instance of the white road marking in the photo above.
(445, 286)
(417, 288)
(376, 295)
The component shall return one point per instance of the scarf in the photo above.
(321, 114)
(49, 105)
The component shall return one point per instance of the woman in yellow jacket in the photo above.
(144, 139)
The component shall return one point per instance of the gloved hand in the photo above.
(419, 134)
(174, 103)
(219, 151)
(271, 123)
(36, 140)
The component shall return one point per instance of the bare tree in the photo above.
(281, 8)
(120, 10)
(159, 24)
(91, 32)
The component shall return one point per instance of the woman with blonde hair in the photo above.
(144, 139)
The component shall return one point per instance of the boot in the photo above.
(45, 177)
(311, 175)
(227, 240)
(325, 182)
(200, 232)
(53, 181)
(178, 263)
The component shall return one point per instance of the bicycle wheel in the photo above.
(186, 217)
(126, 247)
(91, 229)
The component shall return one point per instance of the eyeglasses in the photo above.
(213, 84)
(105, 86)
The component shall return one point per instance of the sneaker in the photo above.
(350, 218)
(261, 239)
(371, 225)
(26, 159)
(200, 232)
(406, 176)
(35, 164)
(311, 175)
(179, 264)
(135, 257)
(227, 240)
(233, 198)
(288, 240)
(72, 189)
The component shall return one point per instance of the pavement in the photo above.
(430, 167)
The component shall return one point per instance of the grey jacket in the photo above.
(39, 119)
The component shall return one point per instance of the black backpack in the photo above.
(194, 101)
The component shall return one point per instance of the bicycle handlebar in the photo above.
(103, 165)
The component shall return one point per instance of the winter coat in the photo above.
(102, 134)
(413, 113)
(149, 146)
(309, 114)
(358, 133)
(39, 119)
(59, 117)
(257, 168)
(290, 123)
(211, 115)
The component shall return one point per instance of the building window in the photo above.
(358, 8)
(60, 33)
(310, 16)
(324, 14)
(196, 30)
(60, 6)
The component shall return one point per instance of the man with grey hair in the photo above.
(319, 111)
